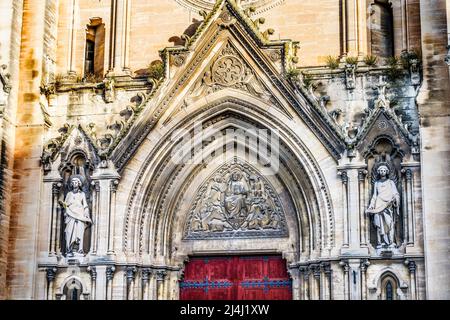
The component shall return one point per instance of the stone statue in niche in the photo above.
(76, 216)
(384, 207)
(236, 202)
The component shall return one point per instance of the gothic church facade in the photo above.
(202, 149)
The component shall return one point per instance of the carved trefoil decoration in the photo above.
(236, 202)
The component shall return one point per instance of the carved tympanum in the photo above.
(236, 202)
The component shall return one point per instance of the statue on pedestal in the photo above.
(76, 216)
(384, 207)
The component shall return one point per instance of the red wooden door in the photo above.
(236, 278)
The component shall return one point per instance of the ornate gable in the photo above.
(219, 56)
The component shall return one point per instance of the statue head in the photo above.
(76, 182)
(383, 171)
(236, 176)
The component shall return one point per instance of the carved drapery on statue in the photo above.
(76, 216)
(384, 204)
(384, 208)
(236, 202)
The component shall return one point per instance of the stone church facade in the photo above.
(145, 145)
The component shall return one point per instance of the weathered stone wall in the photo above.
(434, 107)
(10, 33)
(52, 46)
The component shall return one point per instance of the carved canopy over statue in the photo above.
(235, 202)
(76, 216)
(384, 207)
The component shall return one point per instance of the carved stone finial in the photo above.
(381, 101)
(109, 90)
(56, 188)
(362, 174)
(350, 76)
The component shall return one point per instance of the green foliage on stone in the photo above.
(92, 78)
(292, 74)
(394, 70)
(351, 60)
(370, 60)
(332, 62)
(156, 70)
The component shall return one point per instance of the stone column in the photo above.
(363, 200)
(404, 13)
(161, 276)
(306, 289)
(294, 274)
(315, 282)
(351, 25)
(120, 37)
(112, 215)
(93, 272)
(363, 45)
(51, 192)
(95, 216)
(73, 21)
(345, 201)
(408, 204)
(105, 175)
(109, 281)
(51, 275)
(327, 281)
(147, 274)
(412, 279)
(346, 267)
(130, 274)
(364, 265)
(354, 208)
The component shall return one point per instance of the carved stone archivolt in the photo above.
(236, 201)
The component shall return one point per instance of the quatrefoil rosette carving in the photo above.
(227, 71)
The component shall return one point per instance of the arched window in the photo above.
(95, 49)
(73, 290)
(381, 29)
(389, 285)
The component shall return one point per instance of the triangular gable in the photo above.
(384, 121)
(273, 58)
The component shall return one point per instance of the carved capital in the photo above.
(51, 273)
(304, 270)
(147, 273)
(96, 185)
(56, 188)
(131, 273)
(113, 185)
(411, 266)
(161, 275)
(344, 264)
(362, 174)
(344, 177)
(407, 173)
(364, 264)
(315, 270)
(110, 272)
(326, 267)
(93, 272)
